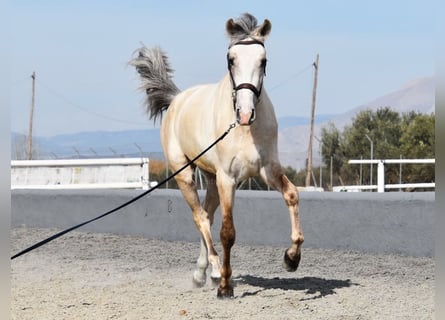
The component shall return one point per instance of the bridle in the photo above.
(244, 85)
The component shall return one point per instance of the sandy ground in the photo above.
(102, 276)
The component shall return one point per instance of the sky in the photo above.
(80, 50)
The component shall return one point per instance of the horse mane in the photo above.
(246, 26)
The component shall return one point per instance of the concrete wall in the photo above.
(371, 222)
(74, 172)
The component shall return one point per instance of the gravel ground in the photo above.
(103, 276)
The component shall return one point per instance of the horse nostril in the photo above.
(237, 115)
(245, 118)
(252, 117)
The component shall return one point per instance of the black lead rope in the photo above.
(61, 233)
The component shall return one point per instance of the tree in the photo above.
(410, 135)
(383, 128)
(418, 138)
(330, 147)
(418, 141)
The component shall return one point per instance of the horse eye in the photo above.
(231, 62)
(263, 63)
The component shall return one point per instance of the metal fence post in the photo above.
(381, 176)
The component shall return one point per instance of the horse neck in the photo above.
(225, 86)
(224, 102)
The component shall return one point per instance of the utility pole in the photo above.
(309, 153)
(31, 115)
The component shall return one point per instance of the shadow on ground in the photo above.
(310, 285)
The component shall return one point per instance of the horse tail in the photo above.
(156, 76)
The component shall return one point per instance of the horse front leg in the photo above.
(226, 189)
(292, 255)
(276, 179)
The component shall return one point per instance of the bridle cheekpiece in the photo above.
(244, 85)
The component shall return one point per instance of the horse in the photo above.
(195, 117)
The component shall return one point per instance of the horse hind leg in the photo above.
(203, 221)
(200, 274)
(210, 205)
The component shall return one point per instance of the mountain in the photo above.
(417, 95)
(110, 143)
(293, 137)
(288, 122)
(94, 144)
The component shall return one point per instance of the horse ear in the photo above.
(233, 28)
(263, 30)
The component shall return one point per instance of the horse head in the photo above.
(246, 61)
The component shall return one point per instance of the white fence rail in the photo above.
(104, 173)
(381, 186)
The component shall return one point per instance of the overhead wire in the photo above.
(295, 75)
(86, 110)
(107, 117)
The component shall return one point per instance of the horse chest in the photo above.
(245, 163)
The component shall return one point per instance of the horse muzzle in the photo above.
(245, 118)
(244, 103)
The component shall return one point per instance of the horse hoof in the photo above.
(215, 281)
(198, 281)
(289, 264)
(216, 275)
(198, 284)
(224, 293)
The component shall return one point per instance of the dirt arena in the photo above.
(102, 276)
